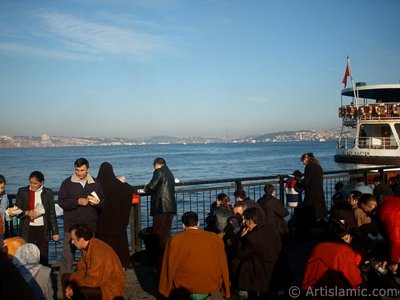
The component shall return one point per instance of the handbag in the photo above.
(135, 199)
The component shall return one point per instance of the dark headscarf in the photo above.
(114, 216)
(106, 174)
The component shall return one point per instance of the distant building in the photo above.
(45, 138)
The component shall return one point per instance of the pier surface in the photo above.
(141, 280)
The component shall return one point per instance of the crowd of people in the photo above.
(241, 250)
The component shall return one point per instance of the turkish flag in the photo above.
(347, 73)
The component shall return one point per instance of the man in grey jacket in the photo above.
(162, 203)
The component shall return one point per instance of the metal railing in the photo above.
(378, 142)
(198, 196)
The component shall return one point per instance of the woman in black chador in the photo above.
(114, 216)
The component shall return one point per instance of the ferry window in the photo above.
(378, 136)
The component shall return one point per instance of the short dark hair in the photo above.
(81, 161)
(159, 161)
(338, 228)
(190, 218)
(356, 195)
(338, 186)
(367, 197)
(240, 194)
(38, 175)
(254, 214)
(238, 204)
(269, 189)
(82, 231)
(224, 198)
(3, 179)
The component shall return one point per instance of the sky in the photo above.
(140, 68)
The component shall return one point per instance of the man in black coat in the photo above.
(259, 249)
(163, 203)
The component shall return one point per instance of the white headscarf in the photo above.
(26, 259)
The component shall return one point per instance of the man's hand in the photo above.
(93, 200)
(245, 231)
(83, 201)
(31, 214)
(56, 237)
(69, 292)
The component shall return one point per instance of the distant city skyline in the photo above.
(133, 68)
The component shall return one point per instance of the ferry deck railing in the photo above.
(378, 142)
(198, 196)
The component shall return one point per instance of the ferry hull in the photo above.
(367, 160)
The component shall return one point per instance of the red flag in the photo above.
(347, 73)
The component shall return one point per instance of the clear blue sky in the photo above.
(142, 68)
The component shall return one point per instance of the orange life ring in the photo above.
(381, 109)
(350, 110)
(396, 109)
(366, 110)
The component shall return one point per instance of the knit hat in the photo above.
(297, 174)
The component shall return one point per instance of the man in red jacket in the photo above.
(389, 215)
(333, 263)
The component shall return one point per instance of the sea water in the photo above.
(187, 162)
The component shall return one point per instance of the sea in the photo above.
(188, 162)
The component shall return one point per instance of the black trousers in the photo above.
(162, 224)
(37, 236)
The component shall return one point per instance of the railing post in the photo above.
(238, 185)
(365, 174)
(282, 189)
(382, 175)
(135, 221)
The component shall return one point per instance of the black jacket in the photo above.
(49, 218)
(162, 190)
(274, 213)
(258, 253)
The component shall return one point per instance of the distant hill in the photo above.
(281, 136)
(275, 135)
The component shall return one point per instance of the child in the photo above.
(3, 206)
(293, 189)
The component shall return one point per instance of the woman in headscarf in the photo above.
(26, 259)
(114, 217)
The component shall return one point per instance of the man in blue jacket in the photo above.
(80, 197)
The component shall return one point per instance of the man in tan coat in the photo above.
(99, 272)
(194, 263)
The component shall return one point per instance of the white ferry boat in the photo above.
(373, 112)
